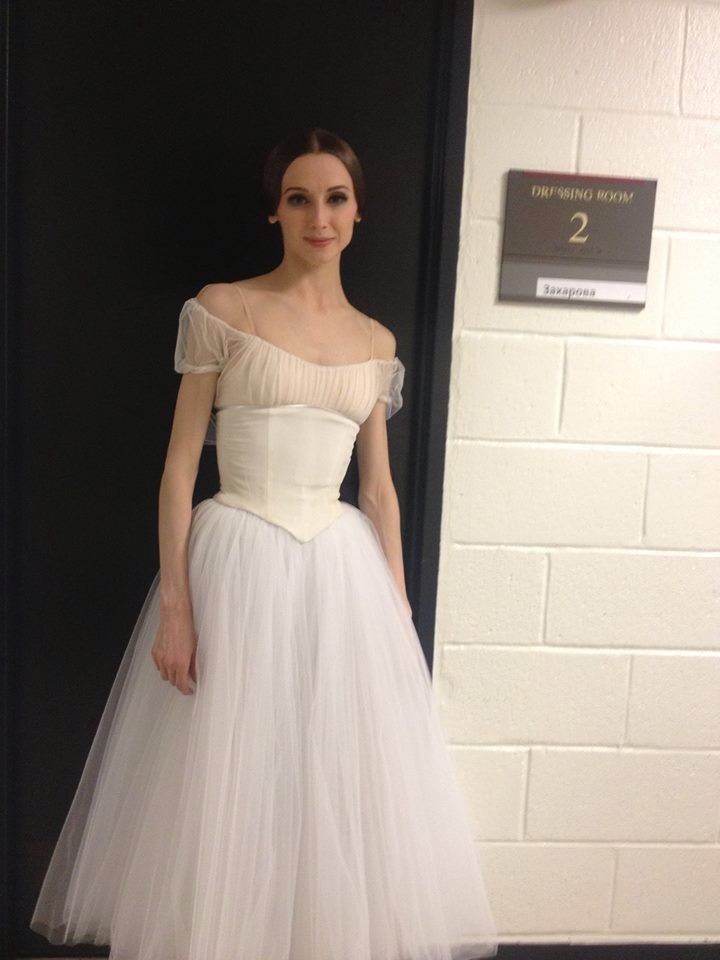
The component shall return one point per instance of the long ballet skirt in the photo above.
(301, 804)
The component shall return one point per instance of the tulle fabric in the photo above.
(202, 343)
(391, 397)
(391, 391)
(254, 372)
(301, 804)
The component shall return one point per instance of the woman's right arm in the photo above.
(175, 642)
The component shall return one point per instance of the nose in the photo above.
(319, 215)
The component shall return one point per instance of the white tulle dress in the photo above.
(302, 803)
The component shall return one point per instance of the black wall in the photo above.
(136, 136)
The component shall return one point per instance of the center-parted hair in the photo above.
(309, 140)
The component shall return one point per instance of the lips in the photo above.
(318, 241)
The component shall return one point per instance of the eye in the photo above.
(341, 197)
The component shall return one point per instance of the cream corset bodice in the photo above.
(285, 427)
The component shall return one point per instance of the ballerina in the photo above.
(270, 778)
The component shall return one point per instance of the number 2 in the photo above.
(576, 238)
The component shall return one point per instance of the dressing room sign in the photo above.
(576, 237)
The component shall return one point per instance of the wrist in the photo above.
(174, 599)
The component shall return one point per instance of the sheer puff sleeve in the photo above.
(201, 346)
(391, 391)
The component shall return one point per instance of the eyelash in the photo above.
(294, 196)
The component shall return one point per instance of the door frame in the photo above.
(437, 277)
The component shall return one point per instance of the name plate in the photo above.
(562, 288)
(576, 237)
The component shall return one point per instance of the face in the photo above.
(317, 200)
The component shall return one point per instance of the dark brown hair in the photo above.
(309, 140)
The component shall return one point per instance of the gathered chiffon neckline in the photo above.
(288, 353)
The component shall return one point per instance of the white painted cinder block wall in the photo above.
(578, 635)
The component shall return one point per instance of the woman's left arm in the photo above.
(377, 497)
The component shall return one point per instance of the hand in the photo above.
(174, 649)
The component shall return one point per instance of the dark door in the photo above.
(137, 133)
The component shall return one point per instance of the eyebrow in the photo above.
(338, 187)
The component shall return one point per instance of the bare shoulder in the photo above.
(222, 300)
(227, 297)
(385, 342)
(215, 295)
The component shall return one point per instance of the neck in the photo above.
(317, 285)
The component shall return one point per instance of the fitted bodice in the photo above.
(284, 426)
(284, 463)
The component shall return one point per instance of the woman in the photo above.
(301, 804)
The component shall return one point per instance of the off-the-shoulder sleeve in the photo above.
(201, 345)
(391, 390)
